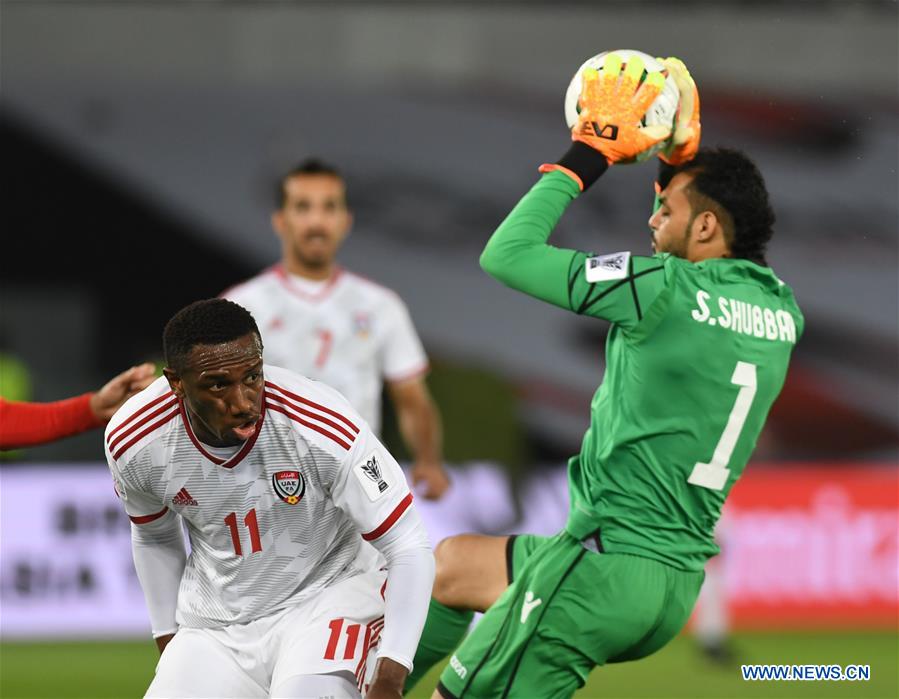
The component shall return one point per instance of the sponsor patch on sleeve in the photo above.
(604, 268)
(373, 477)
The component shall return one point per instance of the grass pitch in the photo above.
(101, 670)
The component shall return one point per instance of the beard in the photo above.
(677, 245)
(314, 261)
(318, 257)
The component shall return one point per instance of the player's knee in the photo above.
(449, 557)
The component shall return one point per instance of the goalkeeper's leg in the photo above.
(444, 629)
(471, 575)
(472, 572)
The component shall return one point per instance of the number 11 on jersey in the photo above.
(713, 475)
(252, 526)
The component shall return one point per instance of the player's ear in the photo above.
(278, 222)
(349, 222)
(175, 382)
(705, 225)
(347, 226)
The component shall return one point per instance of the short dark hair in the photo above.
(206, 322)
(729, 178)
(310, 166)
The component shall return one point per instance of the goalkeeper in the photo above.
(702, 333)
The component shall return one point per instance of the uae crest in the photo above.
(362, 324)
(290, 486)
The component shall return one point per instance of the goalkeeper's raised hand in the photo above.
(612, 105)
(687, 129)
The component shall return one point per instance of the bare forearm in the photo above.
(419, 422)
(422, 432)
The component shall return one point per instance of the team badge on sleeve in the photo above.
(371, 475)
(604, 268)
(290, 486)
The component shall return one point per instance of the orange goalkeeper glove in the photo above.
(612, 105)
(687, 129)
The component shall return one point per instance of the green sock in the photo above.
(444, 628)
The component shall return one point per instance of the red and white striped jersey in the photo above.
(348, 332)
(282, 518)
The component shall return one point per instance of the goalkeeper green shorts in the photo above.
(568, 609)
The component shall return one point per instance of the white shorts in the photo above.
(337, 631)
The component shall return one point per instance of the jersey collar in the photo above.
(244, 450)
(284, 279)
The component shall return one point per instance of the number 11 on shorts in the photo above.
(352, 639)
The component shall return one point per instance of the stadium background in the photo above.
(140, 142)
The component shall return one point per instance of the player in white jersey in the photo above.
(279, 482)
(324, 322)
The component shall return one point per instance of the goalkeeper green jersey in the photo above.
(696, 355)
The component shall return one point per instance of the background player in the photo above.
(29, 424)
(327, 323)
(702, 336)
(711, 625)
(279, 481)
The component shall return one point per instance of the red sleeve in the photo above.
(28, 424)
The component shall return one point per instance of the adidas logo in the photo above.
(183, 498)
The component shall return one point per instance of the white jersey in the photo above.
(278, 521)
(352, 334)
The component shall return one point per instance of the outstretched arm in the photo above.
(608, 130)
(518, 255)
(30, 424)
(619, 287)
(106, 401)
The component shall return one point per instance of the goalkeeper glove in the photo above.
(612, 105)
(687, 129)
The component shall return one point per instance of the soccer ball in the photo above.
(662, 111)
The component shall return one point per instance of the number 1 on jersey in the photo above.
(713, 475)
